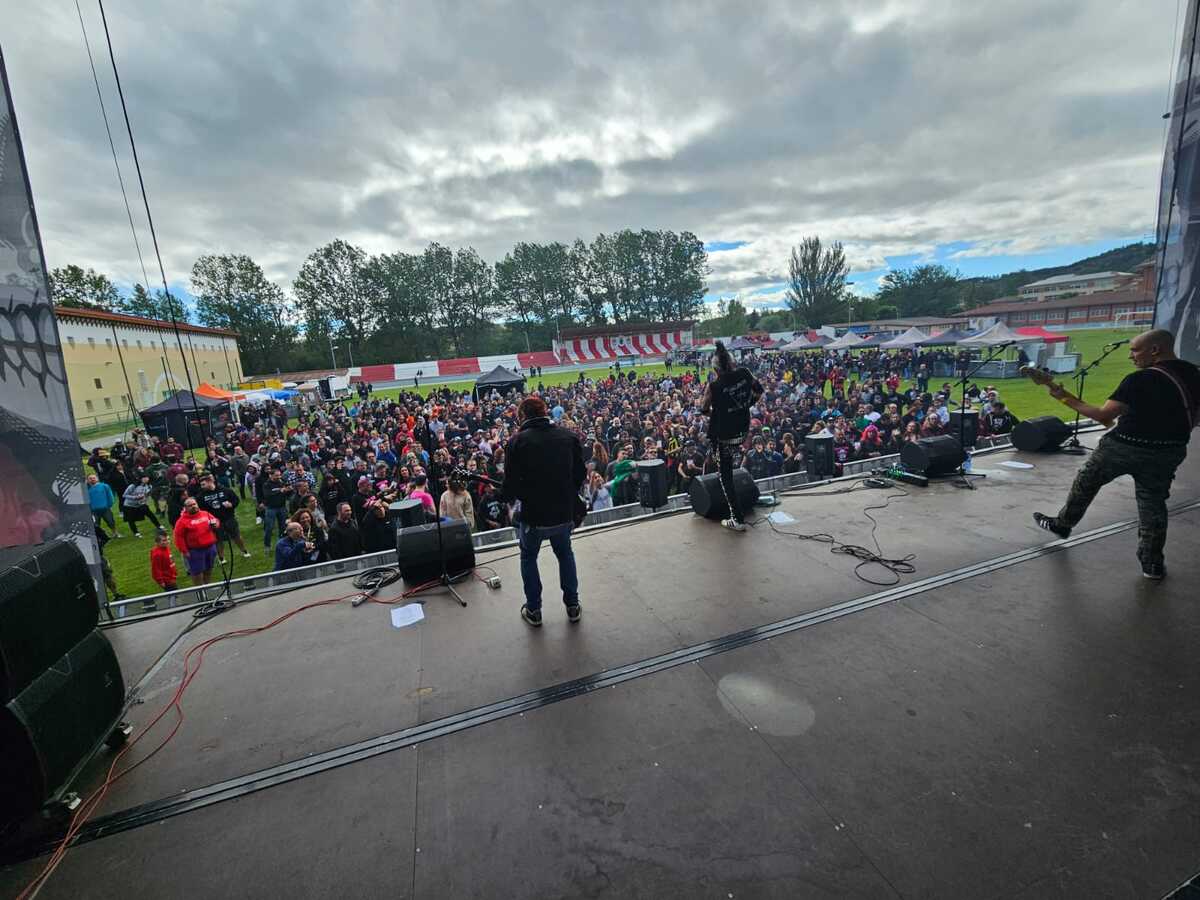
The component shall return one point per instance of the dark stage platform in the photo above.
(736, 716)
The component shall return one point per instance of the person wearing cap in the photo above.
(363, 493)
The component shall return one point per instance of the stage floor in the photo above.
(1015, 719)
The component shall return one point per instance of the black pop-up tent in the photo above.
(499, 379)
(188, 418)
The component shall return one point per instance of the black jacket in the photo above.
(344, 539)
(544, 470)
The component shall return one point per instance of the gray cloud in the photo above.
(893, 126)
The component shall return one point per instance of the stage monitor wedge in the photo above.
(933, 456)
(708, 497)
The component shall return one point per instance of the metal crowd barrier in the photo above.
(264, 583)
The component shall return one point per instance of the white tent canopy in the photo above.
(849, 339)
(997, 334)
(800, 343)
(910, 338)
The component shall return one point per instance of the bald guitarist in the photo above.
(1155, 408)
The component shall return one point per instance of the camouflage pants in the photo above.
(1153, 470)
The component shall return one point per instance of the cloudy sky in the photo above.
(986, 136)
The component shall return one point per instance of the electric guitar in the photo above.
(1037, 376)
(579, 506)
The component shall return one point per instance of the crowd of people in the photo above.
(321, 483)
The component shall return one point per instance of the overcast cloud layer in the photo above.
(272, 127)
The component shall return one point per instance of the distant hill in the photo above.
(976, 291)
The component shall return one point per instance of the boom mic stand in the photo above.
(1073, 446)
(993, 354)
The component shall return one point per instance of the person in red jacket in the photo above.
(196, 538)
(162, 564)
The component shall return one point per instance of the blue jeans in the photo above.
(531, 537)
(270, 517)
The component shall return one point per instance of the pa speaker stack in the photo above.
(708, 497)
(818, 455)
(1040, 433)
(420, 557)
(933, 456)
(966, 423)
(60, 682)
(652, 483)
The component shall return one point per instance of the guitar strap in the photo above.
(1190, 406)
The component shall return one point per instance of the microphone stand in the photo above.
(447, 580)
(993, 354)
(1073, 446)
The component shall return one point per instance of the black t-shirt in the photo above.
(1156, 413)
(732, 395)
(214, 502)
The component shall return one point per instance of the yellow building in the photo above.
(114, 361)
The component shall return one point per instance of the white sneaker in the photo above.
(246, 555)
(733, 525)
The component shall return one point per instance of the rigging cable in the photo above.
(187, 371)
(112, 146)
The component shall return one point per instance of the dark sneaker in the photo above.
(532, 616)
(1154, 571)
(1051, 525)
(574, 613)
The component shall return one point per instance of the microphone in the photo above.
(1116, 344)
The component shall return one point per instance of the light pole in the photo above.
(849, 298)
(332, 358)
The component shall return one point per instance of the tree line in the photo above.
(402, 307)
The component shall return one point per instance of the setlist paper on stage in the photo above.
(409, 614)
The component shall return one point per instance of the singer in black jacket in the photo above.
(544, 470)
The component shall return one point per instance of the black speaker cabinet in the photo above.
(652, 483)
(933, 456)
(708, 499)
(52, 725)
(1041, 433)
(969, 423)
(48, 603)
(417, 551)
(406, 513)
(818, 455)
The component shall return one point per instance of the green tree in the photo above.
(928, 290)
(535, 285)
(335, 296)
(474, 288)
(396, 283)
(74, 287)
(158, 305)
(233, 293)
(817, 283)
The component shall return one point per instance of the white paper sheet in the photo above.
(408, 614)
(1013, 464)
(779, 517)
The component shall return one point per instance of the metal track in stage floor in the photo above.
(199, 798)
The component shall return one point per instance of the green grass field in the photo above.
(130, 557)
